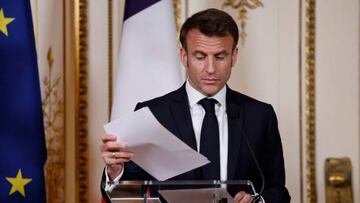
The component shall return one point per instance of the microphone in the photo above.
(233, 112)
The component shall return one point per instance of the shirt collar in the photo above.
(195, 96)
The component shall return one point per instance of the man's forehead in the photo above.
(206, 47)
(195, 33)
(207, 52)
(199, 41)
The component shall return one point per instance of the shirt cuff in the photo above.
(111, 184)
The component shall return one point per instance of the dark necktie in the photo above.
(209, 140)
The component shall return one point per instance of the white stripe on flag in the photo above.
(148, 59)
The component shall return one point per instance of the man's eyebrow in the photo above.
(198, 52)
(222, 52)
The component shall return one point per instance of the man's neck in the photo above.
(194, 95)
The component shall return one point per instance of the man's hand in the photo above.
(115, 154)
(243, 197)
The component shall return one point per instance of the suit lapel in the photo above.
(234, 135)
(181, 113)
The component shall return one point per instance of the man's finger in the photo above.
(108, 137)
(247, 199)
(239, 196)
(243, 197)
(114, 146)
(116, 157)
(111, 161)
(119, 154)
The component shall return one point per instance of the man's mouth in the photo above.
(210, 81)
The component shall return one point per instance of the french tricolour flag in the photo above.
(148, 61)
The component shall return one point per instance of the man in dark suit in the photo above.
(210, 117)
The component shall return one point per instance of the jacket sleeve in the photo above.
(273, 164)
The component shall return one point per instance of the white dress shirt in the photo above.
(197, 115)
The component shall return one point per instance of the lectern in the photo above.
(185, 191)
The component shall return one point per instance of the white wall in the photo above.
(98, 90)
(98, 83)
(337, 87)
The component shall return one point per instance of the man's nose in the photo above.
(210, 66)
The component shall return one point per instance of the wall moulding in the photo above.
(310, 143)
(80, 23)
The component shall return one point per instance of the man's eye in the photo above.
(220, 57)
(200, 57)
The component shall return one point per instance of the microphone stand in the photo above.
(234, 113)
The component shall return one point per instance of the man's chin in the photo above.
(210, 91)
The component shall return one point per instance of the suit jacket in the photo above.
(259, 123)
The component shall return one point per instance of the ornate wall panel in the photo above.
(81, 89)
(53, 109)
(50, 50)
(243, 6)
(110, 53)
(177, 14)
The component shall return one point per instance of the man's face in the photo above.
(208, 61)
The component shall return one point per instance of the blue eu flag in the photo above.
(22, 141)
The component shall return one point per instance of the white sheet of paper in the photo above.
(204, 195)
(157, 150)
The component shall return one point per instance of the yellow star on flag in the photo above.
(18, 183)
(4, 22)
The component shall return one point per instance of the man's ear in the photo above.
(184, 57)
(234, 56)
